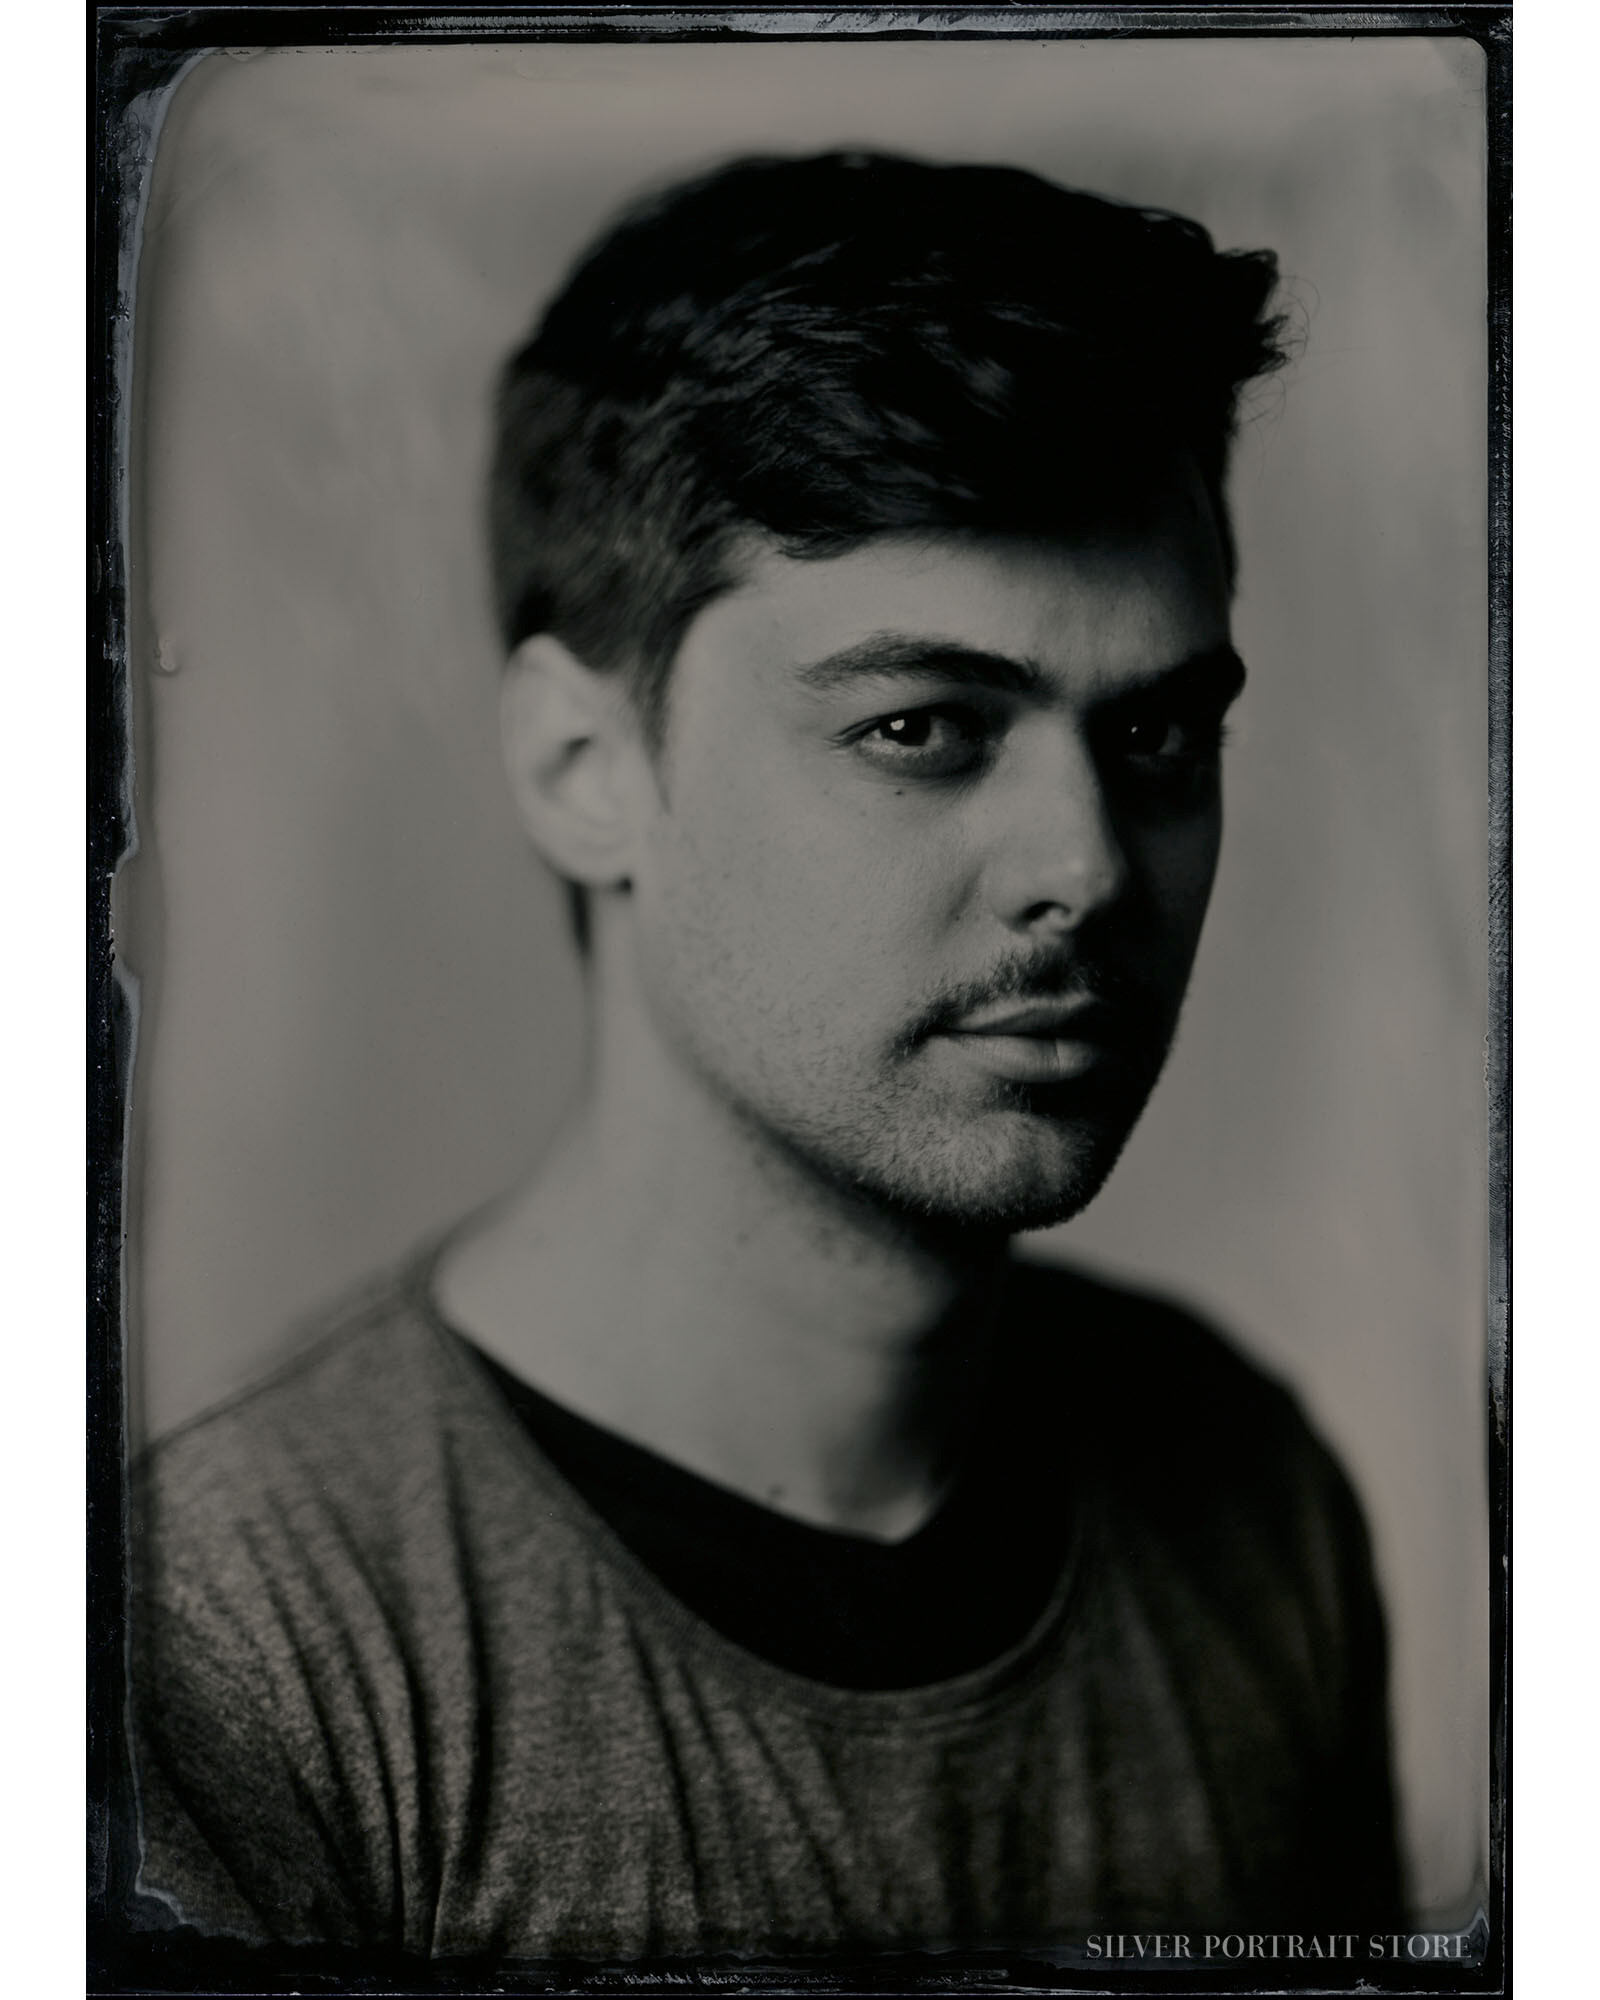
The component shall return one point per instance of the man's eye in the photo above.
(1164, 760)
(1169, 740)
(1156, 736)
(925, 742)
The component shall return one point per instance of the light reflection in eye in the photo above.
(938, 741)
(1160, 748)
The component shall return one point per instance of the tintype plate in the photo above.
(344, 1008)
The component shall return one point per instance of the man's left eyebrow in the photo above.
(1217, 675)
(888, 655)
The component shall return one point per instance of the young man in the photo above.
(725, 1544)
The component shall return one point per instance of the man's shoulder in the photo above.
(1188, 1435)
(1148, 1358)
(360, 1404)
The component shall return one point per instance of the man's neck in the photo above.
(679, 1279)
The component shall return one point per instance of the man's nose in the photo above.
(1056, 857)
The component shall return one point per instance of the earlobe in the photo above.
(570, 747)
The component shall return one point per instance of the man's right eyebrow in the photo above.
(890, 655)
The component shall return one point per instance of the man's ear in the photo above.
(578, 766)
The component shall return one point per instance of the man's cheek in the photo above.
(745, 844)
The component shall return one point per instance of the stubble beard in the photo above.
(910, 1139)
(958, 1171)
(1002, 1157)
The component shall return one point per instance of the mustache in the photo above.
(1140, 1005)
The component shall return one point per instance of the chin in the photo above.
(999, 1175)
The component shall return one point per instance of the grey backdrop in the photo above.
(359, 1014)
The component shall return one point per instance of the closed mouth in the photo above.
(1046, 1041)
(1044, 1020)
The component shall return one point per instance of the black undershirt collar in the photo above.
(839, 1608)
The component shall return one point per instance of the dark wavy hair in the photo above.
(828, 349)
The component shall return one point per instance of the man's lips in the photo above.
(1089, 1020)
(1039, 1041)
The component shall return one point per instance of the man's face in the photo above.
(937, 826)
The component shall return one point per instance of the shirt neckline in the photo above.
(948, 1704)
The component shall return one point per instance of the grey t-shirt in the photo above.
(397, 1685)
